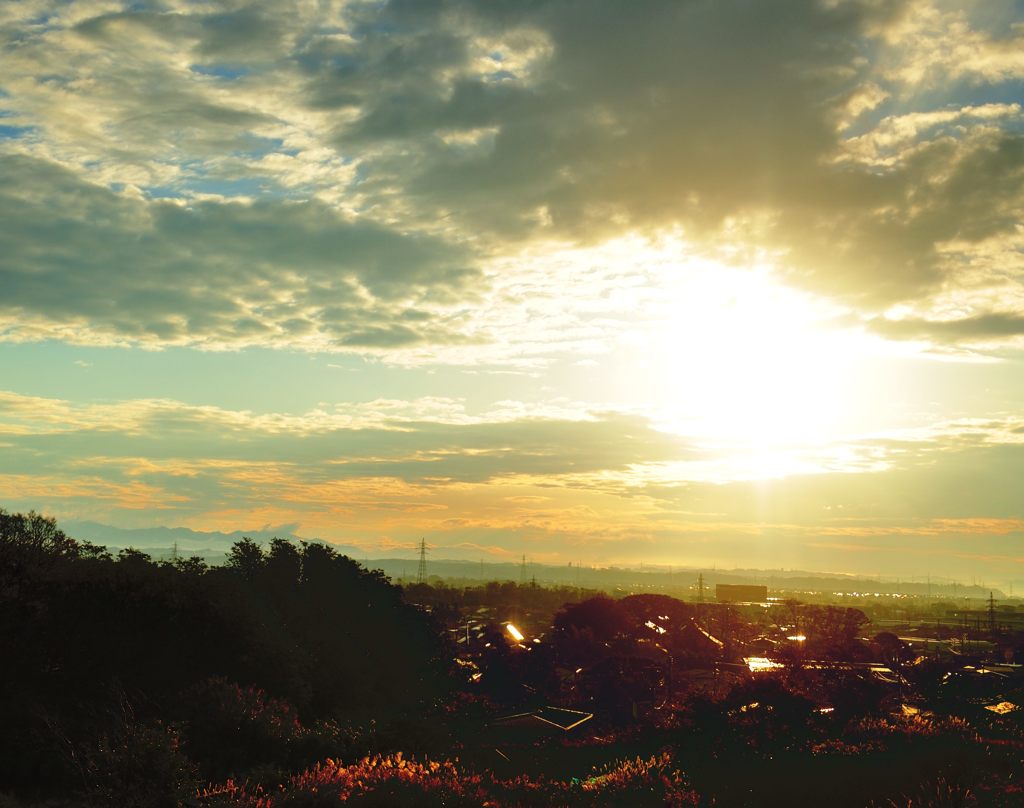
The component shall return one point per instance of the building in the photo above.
(741, 593)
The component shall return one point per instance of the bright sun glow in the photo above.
(748, 363)
(767, 378)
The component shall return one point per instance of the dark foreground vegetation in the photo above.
(293, 677)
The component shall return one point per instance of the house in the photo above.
(516, 738)
(544, 722)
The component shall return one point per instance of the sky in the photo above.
(687, 282)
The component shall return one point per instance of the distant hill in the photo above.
(680, 582)
(213, 543)
(213, 546)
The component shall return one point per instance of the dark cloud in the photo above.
(676, 112)
(879, 237)
(742, 124)
(981, 328)
(205, 272)
(709, 115)
(247, 32)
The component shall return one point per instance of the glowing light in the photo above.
(797, 638)
(515, 632)
(751, 362)
(760, 664)
(769, 378)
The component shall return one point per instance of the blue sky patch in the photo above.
(164, 192)
(15, 132)
(257, 147)
(227, 72)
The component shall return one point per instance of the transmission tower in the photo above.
(991, 612)
(700, 588)
(421, 570)
(522, 571)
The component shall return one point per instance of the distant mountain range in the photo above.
(213, 546)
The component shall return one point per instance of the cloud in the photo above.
(979, 329)
(930, 44)
(85, 264)
(356, 474)
(429, 441)
(597, 485)
(868, 147)
(960, 483)
(643, 121)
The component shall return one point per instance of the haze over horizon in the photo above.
(704, 283)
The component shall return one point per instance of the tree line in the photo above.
(116, 663)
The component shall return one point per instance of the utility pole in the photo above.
(991, 613)
(421, 570)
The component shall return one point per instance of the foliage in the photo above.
(832, 632)
(236, 730)
(138, 766)
(395, 781)
(259, 663)
(654, 781)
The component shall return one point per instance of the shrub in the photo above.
(141, 766)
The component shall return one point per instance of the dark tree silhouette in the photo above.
(97, 650)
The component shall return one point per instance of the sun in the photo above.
(752, 369)
(749, 363)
